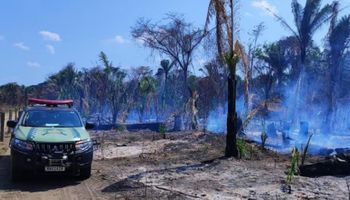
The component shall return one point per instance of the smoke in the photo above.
(217, 118)
(290, 122)
(136, 116)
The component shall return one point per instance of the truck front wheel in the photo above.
(16, 172)
(85, 172)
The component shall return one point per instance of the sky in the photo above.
(39, 37)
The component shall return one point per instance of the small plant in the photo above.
(293, 168)
(120, 128)
(305, 150)
(263, 137)
(162, 130)
(252, 151)
(242, 147)
(132, 138)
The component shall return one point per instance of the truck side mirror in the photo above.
(11, 124)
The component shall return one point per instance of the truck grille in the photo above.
(54, 147)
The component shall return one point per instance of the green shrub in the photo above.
(120, 128)
(305, 150)
(242, 148)
(162, 130)
(293, 165)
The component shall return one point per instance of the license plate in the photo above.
(54, 169)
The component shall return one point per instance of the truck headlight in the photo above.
(83, 145)
(23, 145)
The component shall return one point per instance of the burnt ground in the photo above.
(185, 165)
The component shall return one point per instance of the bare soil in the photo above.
(185, 165)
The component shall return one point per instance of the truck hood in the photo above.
(48, 134)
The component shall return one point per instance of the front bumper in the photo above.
(36, 162)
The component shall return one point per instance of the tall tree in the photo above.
(166, 66)
(114, 78)
(65, 82)
(307, 20)
(230, 52)
(176, 39)
(12, 94)
(338, 43)
(248, 71)
(147, 88)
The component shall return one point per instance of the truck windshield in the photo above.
(51, 118)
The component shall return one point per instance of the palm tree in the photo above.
(114, 85)
(308, 20)
(65, 82)
(275, 57)
(248, 71)
(83, 89)
(147, 88)
(338, 42)
(166, 67)
(230, 53)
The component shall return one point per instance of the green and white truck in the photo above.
(50, 137)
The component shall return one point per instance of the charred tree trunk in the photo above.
(231, 147)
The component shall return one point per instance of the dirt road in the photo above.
(183, 166)
(113, 165)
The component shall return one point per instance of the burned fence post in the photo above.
(2, 126)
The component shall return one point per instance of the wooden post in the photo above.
(20, 111)
(10, 115)
(2, 126)
(16, 114)
(9, 119)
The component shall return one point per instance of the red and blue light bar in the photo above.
(47, 102)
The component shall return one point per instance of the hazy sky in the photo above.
(39, 37)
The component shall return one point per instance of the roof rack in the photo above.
(49, 103)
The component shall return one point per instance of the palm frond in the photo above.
(334, 17)
(324, 15)
(210, 13)
(297, 13)
(104, 59)
(312, 7)
(217, 9)
(340, 35)
(241, 53)
(284, 23)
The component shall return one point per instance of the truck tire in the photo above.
(16, 172)
(85, 172)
